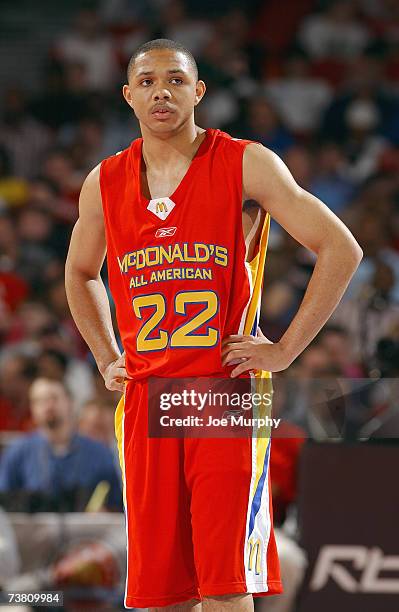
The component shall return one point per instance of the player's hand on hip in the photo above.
(253, 353)
(115, 375)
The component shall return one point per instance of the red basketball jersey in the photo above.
(176, 264)
(180, 281)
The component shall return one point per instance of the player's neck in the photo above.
(161, 151)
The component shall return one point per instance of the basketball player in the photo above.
(185, 264)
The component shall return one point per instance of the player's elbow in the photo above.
(353, 252)
(76, 275)
(358, 253)
(340, 248)
(347, 251)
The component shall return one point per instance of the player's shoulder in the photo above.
(231, 148)
(118, 156)
(112, 169)
(230, 142)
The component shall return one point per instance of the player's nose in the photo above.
(162, 94)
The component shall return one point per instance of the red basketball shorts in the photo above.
(198, 512)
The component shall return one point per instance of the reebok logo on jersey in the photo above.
(161, 207)
(165, 231)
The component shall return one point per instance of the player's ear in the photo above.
(127, 95)
(200, 90)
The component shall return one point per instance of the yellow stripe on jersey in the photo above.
(261, 382)
(119, 433)
(257, 267)
(118, 428)
(263, 385)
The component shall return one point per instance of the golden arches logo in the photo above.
(255, 549)
(161, 208)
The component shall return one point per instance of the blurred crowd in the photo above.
(318, 83)
(319, 87)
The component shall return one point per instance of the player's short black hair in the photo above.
(162, 43)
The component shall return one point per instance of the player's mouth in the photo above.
(161, 112)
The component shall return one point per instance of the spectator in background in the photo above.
(329, 181)
(335, 33)
(220, 103)
(212, 63)
(96, 421)
(87, 143)
(37, 249)
(279, 308)
(36, 333)
(243, 84)
(370, 314)
(91, 142)
(45, 467)
(375, 231)
(300, 97)
(24, 139)
(300, 162)
(313, 363)
(30, 320)
(363, 83)
(45, 195)
(64, 96)
(263, 125)
(191, 33)
(13, 190)
(16, 375)
(58, 302)
(76, 374)
(338, 343)
(59, 169)
(90, 46)
(125, 12)
(363, 146)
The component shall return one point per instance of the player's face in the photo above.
(163, 90)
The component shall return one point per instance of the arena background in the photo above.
(316, 81)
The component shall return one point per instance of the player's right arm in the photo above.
(86, 293)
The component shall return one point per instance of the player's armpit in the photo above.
(267, 180)
(87, 247)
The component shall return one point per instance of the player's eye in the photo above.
(146, 82)
(176, 81)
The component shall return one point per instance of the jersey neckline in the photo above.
(203, 147)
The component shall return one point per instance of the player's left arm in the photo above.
(267, 180)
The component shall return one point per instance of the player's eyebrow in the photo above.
(150, 72)
(143, 73)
